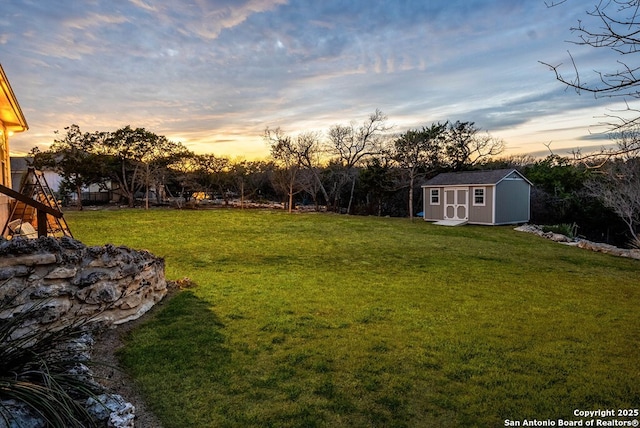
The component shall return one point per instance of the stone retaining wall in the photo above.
(70, 281)
(49, 284)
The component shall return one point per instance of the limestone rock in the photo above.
(557, 237)
(113, 409)
(101, 292)
(62, 273)
(28, 260)
(21, 416)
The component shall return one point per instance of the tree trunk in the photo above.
(353, 187)
(146, 198)
(411, 198)
(79, 194)
(290, 198)
(322, 189)
(242, 195)
(333, 206)
(159, 190)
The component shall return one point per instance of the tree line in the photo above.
(367, 157)
(353, 166)
(356, 168)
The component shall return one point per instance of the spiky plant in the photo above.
(36, 369)
(569, 230)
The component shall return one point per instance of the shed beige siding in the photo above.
(481, 214)
(433, 211)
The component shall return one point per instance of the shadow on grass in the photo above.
(186, 333)
(181, 338)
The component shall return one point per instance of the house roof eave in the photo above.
(10, 112)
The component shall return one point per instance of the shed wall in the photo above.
(433, 212)
(512, 204)
(481, 214)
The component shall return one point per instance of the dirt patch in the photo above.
(109, 374)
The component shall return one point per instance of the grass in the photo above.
(323, 320)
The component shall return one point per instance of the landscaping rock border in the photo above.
(581, 243)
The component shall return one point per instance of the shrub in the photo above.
(38, 369)
(566, 229)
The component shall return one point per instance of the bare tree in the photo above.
(617, 29)
(466, 146)
(309, 152)
(619, 189)
(285, 153)
(352, 145)
(618, 184)
(628, 143)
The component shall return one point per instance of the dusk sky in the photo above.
(212, 74)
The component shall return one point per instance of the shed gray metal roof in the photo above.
(487, 177)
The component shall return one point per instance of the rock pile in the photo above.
(581, 243)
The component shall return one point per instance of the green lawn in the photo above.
(326, 320)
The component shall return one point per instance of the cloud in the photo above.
(93, 20)
(214, 72)
(205, 19)
(141, 4)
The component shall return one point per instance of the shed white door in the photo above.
(456, 203)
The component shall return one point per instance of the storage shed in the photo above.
(489, 197)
